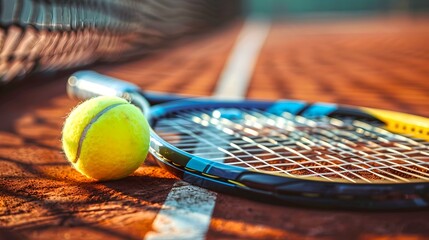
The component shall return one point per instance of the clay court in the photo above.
(379, 61)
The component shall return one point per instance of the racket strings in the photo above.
(331, 168)
(329, 148)
(220, 142)
(377, 155)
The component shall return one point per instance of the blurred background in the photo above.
(368, 52)
(43, 36)
(334, 8)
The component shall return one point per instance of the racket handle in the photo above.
(87, 84)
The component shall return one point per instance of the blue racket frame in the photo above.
(243, 182)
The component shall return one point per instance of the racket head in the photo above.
(293, 188)
(171, 147)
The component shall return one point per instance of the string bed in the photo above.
(326, 149)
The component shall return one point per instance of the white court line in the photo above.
(238, 70)
(187, 211)
(185, 214)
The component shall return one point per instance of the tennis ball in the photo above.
(106, 138)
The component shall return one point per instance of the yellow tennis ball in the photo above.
(106, 138)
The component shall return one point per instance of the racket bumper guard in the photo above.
(213, 168)
(290, 106)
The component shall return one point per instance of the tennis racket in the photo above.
(286, 151)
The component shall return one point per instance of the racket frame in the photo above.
(244, 182)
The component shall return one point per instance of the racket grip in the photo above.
(87, 84)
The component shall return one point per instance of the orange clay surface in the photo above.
(376, 62)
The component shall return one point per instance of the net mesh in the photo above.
(329, 149)
(42, 35)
